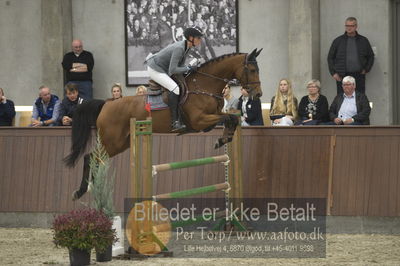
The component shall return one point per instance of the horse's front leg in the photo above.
(230, 123)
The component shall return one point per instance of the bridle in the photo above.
(245, 73)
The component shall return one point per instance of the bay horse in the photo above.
(201, 110)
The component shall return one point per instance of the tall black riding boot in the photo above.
(177, 126)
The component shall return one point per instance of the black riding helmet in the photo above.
(192, 31)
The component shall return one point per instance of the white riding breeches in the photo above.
(164, 80)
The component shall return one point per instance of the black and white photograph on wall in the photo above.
(153, 24)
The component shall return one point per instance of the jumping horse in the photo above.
(201, 109)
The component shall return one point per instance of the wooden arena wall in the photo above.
(356, 168)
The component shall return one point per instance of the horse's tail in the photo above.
(85, 117)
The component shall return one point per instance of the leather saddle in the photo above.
(156, 89)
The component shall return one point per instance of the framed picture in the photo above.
(151, 25)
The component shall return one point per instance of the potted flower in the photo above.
(102, 189)
(82, 230)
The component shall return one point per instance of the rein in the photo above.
(198, 92)
(206, 93)
(212, 76)
(246, 70)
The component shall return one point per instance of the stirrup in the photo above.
(178, 126)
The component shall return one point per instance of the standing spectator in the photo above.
(69, 104)
(350, 55)
(7, 110)
(78, 66)
(351, 107)
(46, 108)
(283, 105)
(250, 110)
(313, 108)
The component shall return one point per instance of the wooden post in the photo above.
(329, 200)
(235, 167)
(141, 176)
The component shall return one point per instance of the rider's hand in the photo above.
(192, 68)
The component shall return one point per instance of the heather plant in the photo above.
(103, 186)
(83, 229)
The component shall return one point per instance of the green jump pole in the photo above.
(190, 163)
(193, 191)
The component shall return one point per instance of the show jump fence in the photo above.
(143, 172)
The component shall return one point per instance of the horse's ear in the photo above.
(257, 53)
(252, 55)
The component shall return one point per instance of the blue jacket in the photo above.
(50, 108)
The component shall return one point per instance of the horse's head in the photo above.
(249, 74)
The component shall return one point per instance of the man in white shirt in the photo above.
(350, 107)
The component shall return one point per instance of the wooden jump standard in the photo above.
(142, 172)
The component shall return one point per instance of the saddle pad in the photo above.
(156, 102)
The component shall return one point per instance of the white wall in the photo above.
(265, 24)
(20, 46)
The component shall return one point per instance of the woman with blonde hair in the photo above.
(116, 92)
(141, 90)
(283, 105)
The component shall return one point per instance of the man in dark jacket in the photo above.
(350, 55)
(78, 66)
(7, 110)
(350, 107)
(69, 104)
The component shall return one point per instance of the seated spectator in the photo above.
(7, 110)
(283, 105)
(250, 110)
(230, 102)
(46, 108)
(351, 107)
(141, 90)
(116, 92)
(313, 108)
(69, 104)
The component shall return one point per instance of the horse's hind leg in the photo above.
(85, 179)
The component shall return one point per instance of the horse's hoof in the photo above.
(179, 130)
(218, 144)
(76, 195)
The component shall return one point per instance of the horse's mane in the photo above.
(219, 58)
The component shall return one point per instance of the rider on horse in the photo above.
(170, 60)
